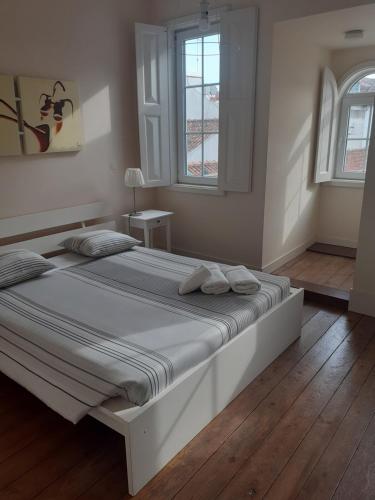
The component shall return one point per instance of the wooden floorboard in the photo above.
(359, 478)
(329, 471)
(303, 428)
(341, 295)
(321, 273)
(301, 463)
(310, 309)
(41, 442)
(266, 464)
(23, 433)
(112, 486)
(100, 461)
(58, 462)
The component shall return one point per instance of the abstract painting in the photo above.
(51, 115)
(9, 129)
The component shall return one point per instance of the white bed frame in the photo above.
(31, 223)
(157, 431)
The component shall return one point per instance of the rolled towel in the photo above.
(241, 280)
(216, 283)
(195, 280)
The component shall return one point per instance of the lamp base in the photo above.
(134, 213)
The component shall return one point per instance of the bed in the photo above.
(111, 338)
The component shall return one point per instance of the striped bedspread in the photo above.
(116, 326)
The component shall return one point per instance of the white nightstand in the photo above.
(149, 220)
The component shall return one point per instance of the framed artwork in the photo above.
(50, 114)
(10, 144)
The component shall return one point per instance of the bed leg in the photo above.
(129, 468)
(138, 459)
(143, 460)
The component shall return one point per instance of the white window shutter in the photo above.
(327, 124)
(153, 103)
(239, 30)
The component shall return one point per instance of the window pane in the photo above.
(194, 155)
(194, 109)
(359, 121)
(211, 108)
(211, 51)
(364, 85)
(193, 61)
(356, 156)
(198, 146)
(210, 155)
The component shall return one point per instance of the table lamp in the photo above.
(133, 179)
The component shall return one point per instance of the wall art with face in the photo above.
(50, 114)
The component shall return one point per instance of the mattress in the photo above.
(116, 326)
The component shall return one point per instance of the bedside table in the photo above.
(149, 220)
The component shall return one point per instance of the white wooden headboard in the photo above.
(22, 231)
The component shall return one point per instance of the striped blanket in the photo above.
(116, 326)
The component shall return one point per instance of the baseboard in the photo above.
(200, 256)
(280, 261)
(362, 302)
(335, 250)
(338, 242)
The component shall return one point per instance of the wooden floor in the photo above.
(320, 269)
(305, 428)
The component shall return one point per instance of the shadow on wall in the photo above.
(299, 189)
(292, 194)
(97, 106)
(99, 134)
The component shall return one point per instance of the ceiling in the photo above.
(327, 30)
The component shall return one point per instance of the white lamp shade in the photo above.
(134, 178)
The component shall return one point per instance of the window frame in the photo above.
(180, 78)
(347, 101)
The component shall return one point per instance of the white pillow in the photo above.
(21, 265)
(99, 243)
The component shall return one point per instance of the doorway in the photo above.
(320, 129)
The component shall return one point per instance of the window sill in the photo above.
(346, 183)
(196, 189)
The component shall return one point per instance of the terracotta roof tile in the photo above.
(355, 160)
(210, 169)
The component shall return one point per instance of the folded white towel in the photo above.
(241, 280)
(216, 283)
(195, 280)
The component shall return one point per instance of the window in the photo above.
(355, 128)
(198, 102)
(186, 80)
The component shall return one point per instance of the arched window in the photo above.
(357, 107)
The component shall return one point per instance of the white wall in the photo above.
(345, 59)
(92, 42)
(340, 207)
(231, 227)
(339, 215)
(292, 198)
(363, 294)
